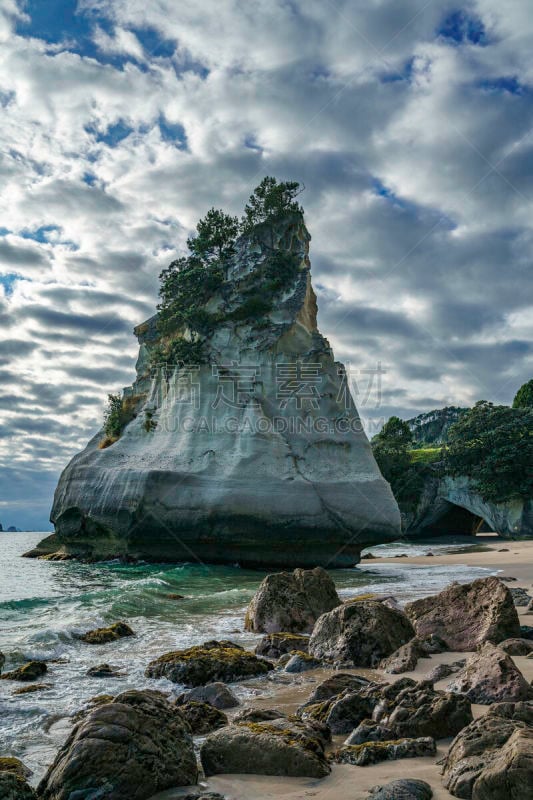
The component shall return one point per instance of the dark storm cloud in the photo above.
(19, 255)
(93, 324)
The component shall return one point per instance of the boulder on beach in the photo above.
(28, 672)
(491, 676)
(361, 755)
(408, 708)
(275, 645)
(282, 746)
(402, 789)
(298, 661)
(335, 684)
(216, 694)
(370, 731)
(135, 746)
(478, 746)
(202, 717)
(509, 775)
(466, 615)
(112, 633)
(442, 671)
(360, 634)
(516, 647)
(405, 658)
(13, 787)
(211, 661)
(291, 601)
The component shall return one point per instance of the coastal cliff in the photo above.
(254, 453)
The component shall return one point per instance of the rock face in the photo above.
(135, 746)
(275, 645)
(291, 602)
(360, 634)
(516, 647)
(257, 456)
(275, 747)
(405, 658)
(13, 787)
(202, 717)
(480, 745)
(491, 676)
(467, 615)
(212, 661)
(455, 504)
(360, 755)
(510, 774)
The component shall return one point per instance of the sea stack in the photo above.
(254, 454)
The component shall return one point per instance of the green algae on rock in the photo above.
(212, 661)
(112, 633)
(28, 672)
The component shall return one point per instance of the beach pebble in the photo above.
(403, 789)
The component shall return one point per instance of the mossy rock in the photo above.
(12, 787)
(28, 672)
(118, 630)
(34, 687)
(275, 645)
(212, 661)
(14, 766)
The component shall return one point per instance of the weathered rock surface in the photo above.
(467, 615)
(34, 687)
(291, 602)
(516, 647)
(28, 672)
(300, 662)
(510, 773)
(212, 661)
(202, 717)
(442, 671)
(135, 746)
(405, 658)
(275, 645)
(477, 746)
(257, 486)
(361, 755)
(104, 671)
(360, 634)
(119, 630)
(370, 731)
(12, 787)
(402, 789)
(215, 694)
(491, 676)
(335, 684)
(410, 709)
(275, 747)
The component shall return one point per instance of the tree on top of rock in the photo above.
(215, 237)
(269, 201)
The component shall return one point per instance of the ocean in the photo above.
(43, 605)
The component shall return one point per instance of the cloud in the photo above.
(123, 123)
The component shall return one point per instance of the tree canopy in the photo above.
(493, 445)
(524, 396)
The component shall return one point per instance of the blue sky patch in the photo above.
(40, 234)
(463, 28)
(172, 132)
(510, 85)
(113, 135)
(8, 281)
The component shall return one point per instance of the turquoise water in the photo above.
(43, 605)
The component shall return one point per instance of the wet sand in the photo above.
(348, 782)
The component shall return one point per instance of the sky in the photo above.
(122, 122)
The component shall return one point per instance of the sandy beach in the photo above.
(511, 559)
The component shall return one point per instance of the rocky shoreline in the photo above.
(362, 685)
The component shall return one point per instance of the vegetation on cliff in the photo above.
(393, 453)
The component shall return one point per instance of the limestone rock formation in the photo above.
(479, 746)
(291, 601)
(135, 746)
(256, 456)
(467, 615)
(360, 634)
(276, 747)
(491, 676)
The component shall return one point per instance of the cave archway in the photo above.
(456, 520)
